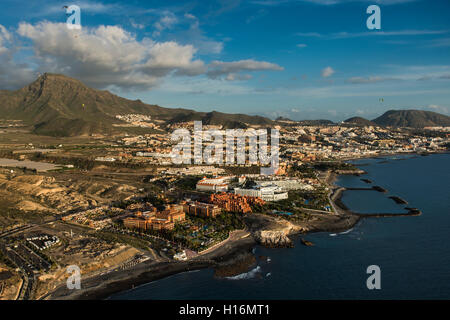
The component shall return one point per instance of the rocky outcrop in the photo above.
(307, 243)
(272, 231)
(270, 238)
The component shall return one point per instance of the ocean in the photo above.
(413, 252)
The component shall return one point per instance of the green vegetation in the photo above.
(304, 171)
(199, 233)
(188, 182)
(297, 201)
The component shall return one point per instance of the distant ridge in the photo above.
(283, 119)
(360, 121)
(57, 105)
(319, 122)
(412, 118)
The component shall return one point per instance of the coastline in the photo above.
(226, 253)
(231, 250)
(103, 286)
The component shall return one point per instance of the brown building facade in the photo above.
(201, 209)
(235, 203)
(156, 220)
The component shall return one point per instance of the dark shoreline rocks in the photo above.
(306, 242)
(398, 200)
(379, 189)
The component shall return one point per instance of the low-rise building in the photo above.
(212, 184)
(267, 192)
(156, 220)
(201, 209)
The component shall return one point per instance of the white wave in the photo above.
(191, 271)
(333, 234)
(348, 231)
(247, 275)
(268, 274)
(268, 259)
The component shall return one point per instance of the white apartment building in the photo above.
(266, 193)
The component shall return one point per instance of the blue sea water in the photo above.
(413, 253)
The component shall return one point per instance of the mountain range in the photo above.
(57, 105)
(404, 118)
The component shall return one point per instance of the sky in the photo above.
(300, 59)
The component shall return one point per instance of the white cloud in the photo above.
(12, 74)
(111, 57)
(340, 35)
(437, 108)
(412, 32)
(108, 55)
(301, 45)
(272, 3)
(371, 79)
(167, 21)
(87, 7)
(167, 56)
(220, 68)
(197, 37)
(189, 16)
(327, 72)
(135, 25)
(234, 77)
(309, 34)
(443, 42)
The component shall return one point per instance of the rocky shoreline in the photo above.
(230, 257)
(226, 260)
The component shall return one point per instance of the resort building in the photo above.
(154, 220)
(201, 209)
(287, 184)
(213, 184)
(268, 192)
(235, 203)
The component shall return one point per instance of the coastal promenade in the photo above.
(233, 236)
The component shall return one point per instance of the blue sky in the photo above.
(302, 59)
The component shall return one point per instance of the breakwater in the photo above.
(376, 188)
(398, 200)
(411, 212)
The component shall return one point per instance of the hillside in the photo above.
(319, 122)
(360, 121)
(412, 118)
(61, 106)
